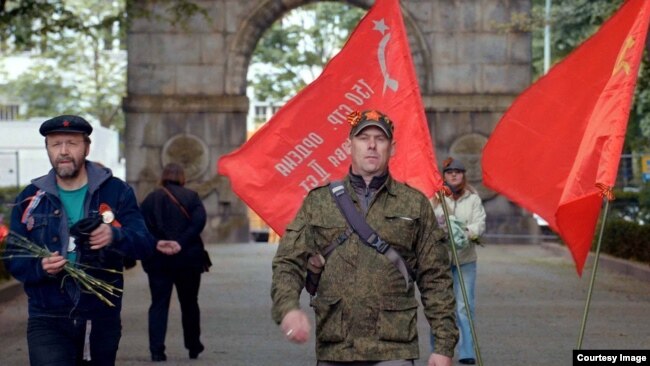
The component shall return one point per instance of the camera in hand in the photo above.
(80, 231)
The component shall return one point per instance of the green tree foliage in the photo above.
(632, 206)
(572, 22)
(30, 23)
(78, 64)
(7, 198)
(78, 53)
(294, 50)
(627, 240)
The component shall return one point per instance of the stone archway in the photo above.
(187, 83)
(267, 12)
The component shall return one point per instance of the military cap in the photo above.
(66, 124)
(361, 120)
(452, 164)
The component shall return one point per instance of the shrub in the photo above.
(627, 240)
(627, 232)
(7, 198)
(4, 275)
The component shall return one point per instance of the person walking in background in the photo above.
(365, 302)
(175, 216)
(468, 224)
(63, 316)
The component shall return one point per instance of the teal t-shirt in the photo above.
(73, 204)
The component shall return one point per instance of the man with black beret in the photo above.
(66, 124)
(63, 316)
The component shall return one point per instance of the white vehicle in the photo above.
(543, 225)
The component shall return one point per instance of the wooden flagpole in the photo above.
(593, 272)
(445, 209)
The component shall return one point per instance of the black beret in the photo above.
(66, 124)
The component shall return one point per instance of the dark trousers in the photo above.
(187, 284)
(367, 363)
(55, 341)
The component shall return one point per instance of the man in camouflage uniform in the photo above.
(365, 313)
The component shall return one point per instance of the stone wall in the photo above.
(186, 91)
(477, 71)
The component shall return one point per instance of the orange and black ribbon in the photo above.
(605, 191)
(110, 219)
(354, 118)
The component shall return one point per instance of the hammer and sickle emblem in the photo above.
(389, 82)
(621, 62)
(382, 28)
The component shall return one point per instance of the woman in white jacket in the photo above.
(467, 212)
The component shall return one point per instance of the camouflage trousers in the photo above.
(368, 363)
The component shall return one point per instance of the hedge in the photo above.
(627, 231)
(7, 198)
(627, 240)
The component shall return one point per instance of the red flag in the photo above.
(565, 133)
(301, 146)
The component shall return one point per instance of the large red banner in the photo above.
(301, 147)
(557, 148)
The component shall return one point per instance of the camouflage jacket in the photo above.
(363, 310)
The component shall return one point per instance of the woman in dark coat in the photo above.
(175, 216)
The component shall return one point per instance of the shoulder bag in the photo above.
(206, 261)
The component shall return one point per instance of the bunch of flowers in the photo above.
(21, 247)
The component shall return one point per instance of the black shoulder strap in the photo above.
(175, 200)
(366, 233)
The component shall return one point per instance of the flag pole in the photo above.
(445, 209)
(593, 274)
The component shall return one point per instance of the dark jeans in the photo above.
(54, 341)
(187, 287)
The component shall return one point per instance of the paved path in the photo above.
(530, 304)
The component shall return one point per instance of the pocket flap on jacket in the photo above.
(295, 225)
(320, 302)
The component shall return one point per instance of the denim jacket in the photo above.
(47, 226)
